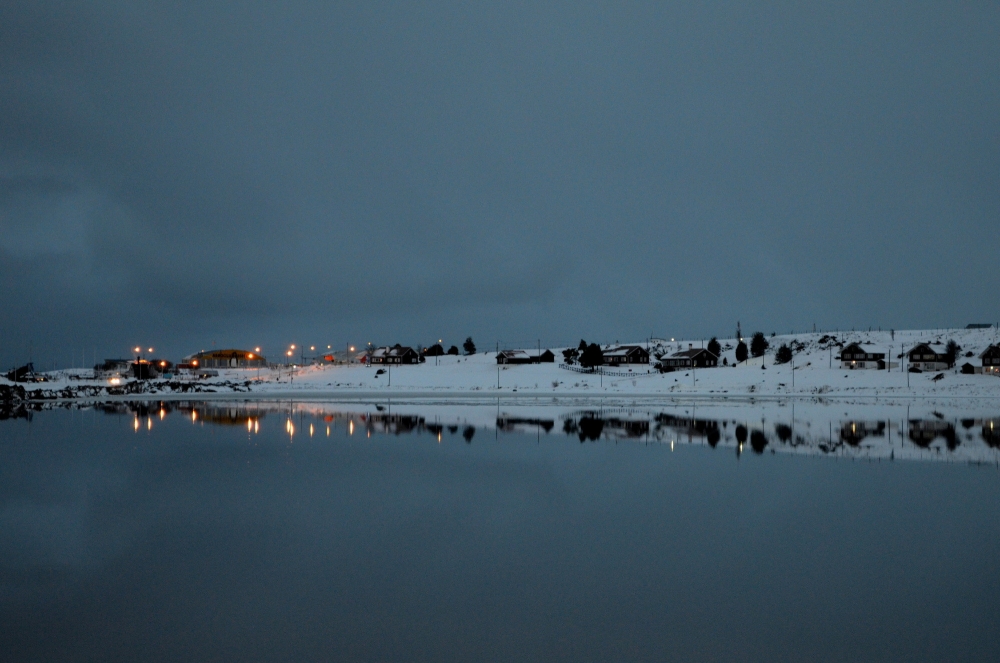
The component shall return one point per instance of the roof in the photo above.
(993, 349)
(512, 353)
(867, 349)
(224, 354)
(936, 348)
(691, 352)
(622, 350)
(395, 351)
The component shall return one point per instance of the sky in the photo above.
(207, 174)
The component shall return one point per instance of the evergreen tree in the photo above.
(741, 352)
(758, 344)
(952, 351)
(453, 350)
(783, 355)
(469, 346)
(714, 347)
(592, 356)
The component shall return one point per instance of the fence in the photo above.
(597, 370)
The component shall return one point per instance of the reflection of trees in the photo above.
(590, 428)
(741, 434)
(784, 432)
(469, 433)
(758, 441)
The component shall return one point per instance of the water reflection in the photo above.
(868, 430)
(365, 531)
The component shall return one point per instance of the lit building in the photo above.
(225, 359)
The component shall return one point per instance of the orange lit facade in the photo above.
(226, 359)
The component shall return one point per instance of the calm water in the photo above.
(208, 533)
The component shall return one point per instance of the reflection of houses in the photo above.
(690, 358)
(707, 428)
(397, 424)
(591, 426)
(625, 354)
(924, 431)
(991, 360)
(856, 356)
(852, 432)
(224, 359)
(229, 415)
(397, 354)
(991, 433)
(522, 357)
(928, 357)
(516, 424)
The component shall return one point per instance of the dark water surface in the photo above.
(182, 541)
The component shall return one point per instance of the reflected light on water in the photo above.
(194, 415)
(328, 431)
(135, 424)
(149, 423)
(310, 430)
(249, 425)
(350, 427)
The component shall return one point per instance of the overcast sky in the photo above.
(206, 173)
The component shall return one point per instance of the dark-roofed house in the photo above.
(928, 357)
(513, 357)
(626, 354)
(691, 358)
(991, 360)
(858, 356)
(225, 359)
(522, 357)
(397, 354)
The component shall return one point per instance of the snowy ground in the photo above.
(816, 373)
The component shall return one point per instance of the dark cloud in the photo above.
(324, 172)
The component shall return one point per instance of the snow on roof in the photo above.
(864, 347)
(621, 350)
(690, 352)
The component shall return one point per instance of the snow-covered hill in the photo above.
(816, 373)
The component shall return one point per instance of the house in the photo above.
(513, 357)
(857, 356)
(691, 358)
(991, 360)
(625, 354)
(522, 357)
(112, 368)
(397, 354)
(928, 357)
(224, 359)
